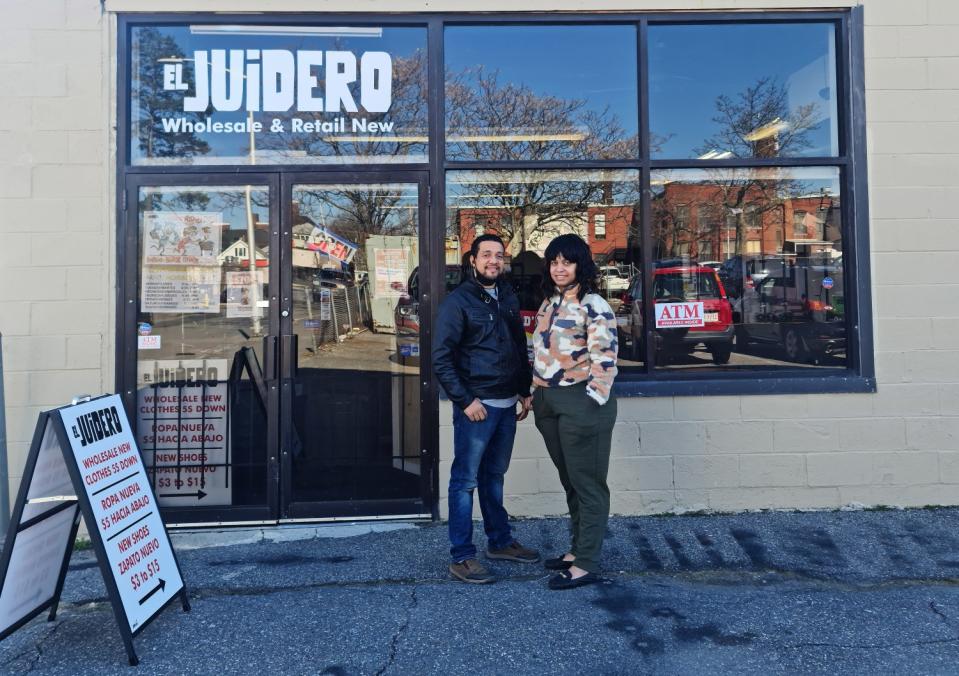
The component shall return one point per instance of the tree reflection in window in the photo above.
(152, 103)
(495, 121)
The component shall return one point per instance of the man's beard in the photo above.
(483, 279)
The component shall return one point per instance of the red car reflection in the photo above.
(679, 284)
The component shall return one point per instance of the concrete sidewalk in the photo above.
(824, 592)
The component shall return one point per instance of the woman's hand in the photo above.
(526, 403)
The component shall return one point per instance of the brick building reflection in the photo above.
(688, 220)
(696, 220)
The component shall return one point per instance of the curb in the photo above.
(203, 538)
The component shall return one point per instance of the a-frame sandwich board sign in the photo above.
(84, 463)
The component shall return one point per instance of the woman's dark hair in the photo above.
(575, 250)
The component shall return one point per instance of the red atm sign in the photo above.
(679, 315)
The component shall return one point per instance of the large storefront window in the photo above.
(541, 93)
(743, 90)
(747, 269)
(245, 94)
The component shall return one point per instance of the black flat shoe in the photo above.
(557, 564)
(565, 580)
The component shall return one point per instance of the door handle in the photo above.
(290, 355)
(269, 358)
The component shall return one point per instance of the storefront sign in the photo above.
(225, 94)
(280, 80)
(84, 461)
(183, 429)
(123, 507)
(181, 237)
(679, 315)
(186, 289)
(283, 77)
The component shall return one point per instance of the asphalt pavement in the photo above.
(849, 592)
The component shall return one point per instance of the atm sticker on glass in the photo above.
(148, 342)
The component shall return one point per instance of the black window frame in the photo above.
(857, 376)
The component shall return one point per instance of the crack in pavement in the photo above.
(37, 647)
(394, 642)
(934, 608)
(17, 657)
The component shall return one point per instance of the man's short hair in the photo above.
(474, 249)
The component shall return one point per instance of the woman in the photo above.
(574, 365)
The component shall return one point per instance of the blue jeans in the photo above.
(481, 453)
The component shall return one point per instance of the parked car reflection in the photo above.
(612, 280)
(796, 304)
(329, 279)
(675, 282)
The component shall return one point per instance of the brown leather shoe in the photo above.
(471, 571)
(514, 551)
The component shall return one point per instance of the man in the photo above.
(480, 359)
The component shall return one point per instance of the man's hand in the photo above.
(526, 404)
(475, 411)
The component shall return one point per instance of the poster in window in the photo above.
(181, 237)
(180, 289)
(242, 296)
(390, 273)
(183, 430)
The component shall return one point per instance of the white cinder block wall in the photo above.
(899, 446)
(56, 222)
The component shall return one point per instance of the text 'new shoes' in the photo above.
(514, 551)
(472, 571)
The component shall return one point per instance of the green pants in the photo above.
(578, 433)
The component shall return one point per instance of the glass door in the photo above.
(198, 341)
(351, 385)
